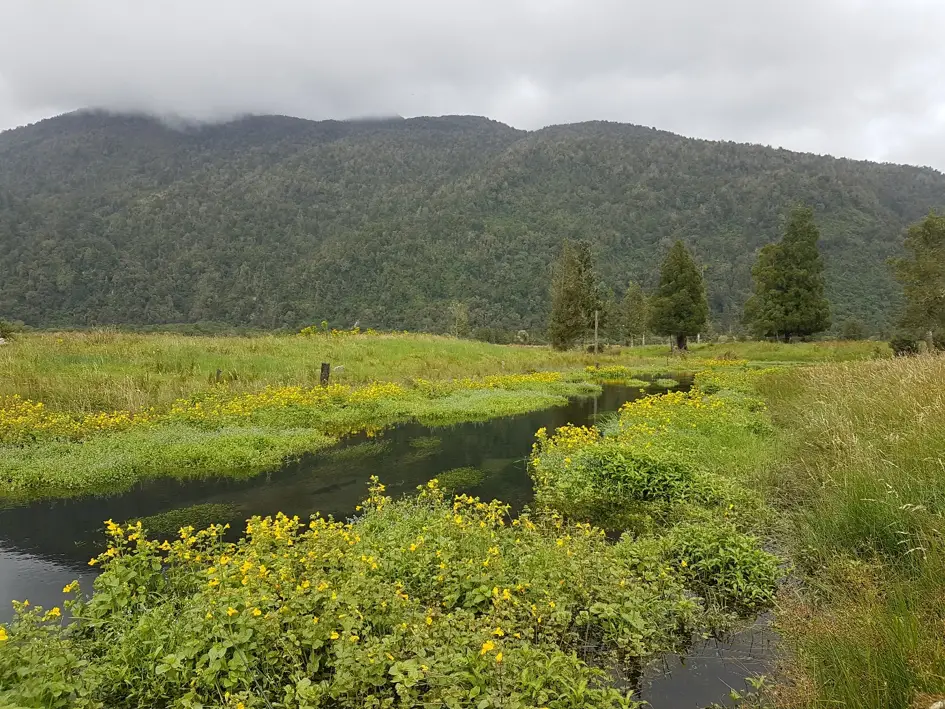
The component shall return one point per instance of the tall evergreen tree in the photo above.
(634, 311)
(789, 283)
(573, 295)
(610, 316)
(591, 298)
(922, 274)
(679, 307)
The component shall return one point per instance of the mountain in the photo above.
(274, 221)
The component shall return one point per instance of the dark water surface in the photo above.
(45, 545)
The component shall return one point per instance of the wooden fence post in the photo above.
(326, 373)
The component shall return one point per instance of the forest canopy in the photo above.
(279, 222)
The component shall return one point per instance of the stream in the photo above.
(45, 545)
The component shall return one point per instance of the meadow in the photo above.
(83, 412)
(805, 478)
(86, 372)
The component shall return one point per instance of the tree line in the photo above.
(788, 297)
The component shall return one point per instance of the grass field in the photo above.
(862, 496)
(92, 411)
(106, 371)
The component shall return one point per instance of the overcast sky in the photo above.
(861, 78)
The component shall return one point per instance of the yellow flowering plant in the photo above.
(667, 463)
(426, 600)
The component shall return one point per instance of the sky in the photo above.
(857, 78)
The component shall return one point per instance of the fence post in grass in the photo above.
(326, 373)
(219, 376)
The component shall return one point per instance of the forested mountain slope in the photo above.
(272, 221)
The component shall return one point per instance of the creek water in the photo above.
(47, 544)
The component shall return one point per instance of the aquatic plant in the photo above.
(666, 464)
(460, 478)
(220, 432)
(167, 524)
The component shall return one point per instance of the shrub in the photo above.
(904, 345)
(9, 329)
(721, 563)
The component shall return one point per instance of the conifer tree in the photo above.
(922, 274)
(679, 307)
(573, 295)
(634, 312)
(789, 283)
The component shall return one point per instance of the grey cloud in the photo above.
(849, 77)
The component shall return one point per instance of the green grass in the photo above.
(111, 462)
(105, 370)
(118, 371)
(826, 351)
(863, 494)
(114, 462)
(88, 372)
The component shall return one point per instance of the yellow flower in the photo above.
(498, 657)
(487, 646)
(683, 563)
(354, 638)
(498, 632)
(53, 612)
(334, 635)
(315, 619)
(3, 634)
(429, 620)
(257, 612)
(74, 586)
(231, 611)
